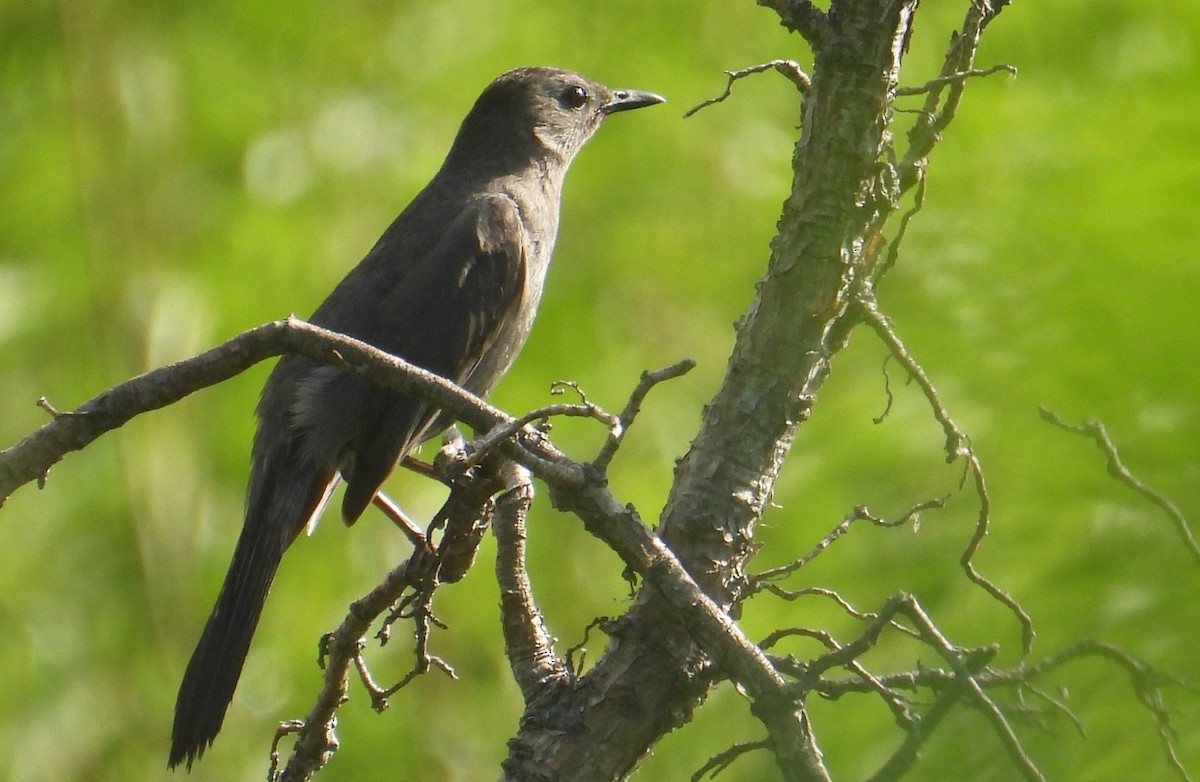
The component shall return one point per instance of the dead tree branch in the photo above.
(408, 590)
(788, 68)
(1095, 430)
(32, 458)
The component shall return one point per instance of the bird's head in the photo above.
(543, 112)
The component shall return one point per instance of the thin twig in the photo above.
(976, 694)
(937, 112)
(894, 701)
(893, 252)
(859, 513)
(1059, 706)
(722, 760)
(1096, 431)
(649, 379)
(1146, 682)
(958, 76)
(575, 666)
(842, 603)
(957, 446)
(902, 760)
(789, 68)
(482, 446)
(887, 391)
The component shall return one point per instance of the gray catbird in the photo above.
(452, 286)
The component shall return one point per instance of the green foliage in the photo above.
(173, 174)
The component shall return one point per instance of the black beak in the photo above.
(624, 100)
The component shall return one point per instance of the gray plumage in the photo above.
(452, 286)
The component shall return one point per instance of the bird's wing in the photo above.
(444, 309)
(452, 314)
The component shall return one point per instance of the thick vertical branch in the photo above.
(785, 343)
(796, 323)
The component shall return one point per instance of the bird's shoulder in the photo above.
(434, 242)
(499, 224)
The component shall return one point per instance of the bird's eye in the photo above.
(575, 96)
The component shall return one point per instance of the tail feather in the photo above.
(281, 501)
(212, 674)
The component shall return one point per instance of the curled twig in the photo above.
(722, 760)
(887, 392)
(559, 387)
(574, 665)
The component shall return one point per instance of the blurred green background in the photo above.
(171, 174)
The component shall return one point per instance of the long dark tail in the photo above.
(284, 494)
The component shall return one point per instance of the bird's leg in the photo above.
(437, 472)
(424, 469)
(410, 530)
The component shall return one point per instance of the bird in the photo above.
(452, 286)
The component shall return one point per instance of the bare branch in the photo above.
(528, 645)
(721, 761)
(965, 672)
(483, 445)
(950, 78)
(648, 381)
(1096, 431)
(408, 592)
(894, 701)
(937, 113)
(789, 68)
(317, 741)
(1147, 685)
(860, 513)
(894, 246)
(33, 457)
(616, 524)
(957, 446)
